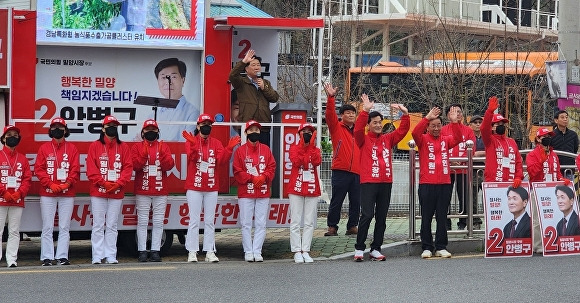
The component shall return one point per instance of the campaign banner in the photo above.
(86, 84)
(573, 98)
(557, 206)
(227, 213)
(508, 220)
(557, 78)
(125, 23)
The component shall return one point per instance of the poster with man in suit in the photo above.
(508, 220)
(558, 213)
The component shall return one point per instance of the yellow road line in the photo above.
(16, 271)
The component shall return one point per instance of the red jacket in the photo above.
(498, 147)
(158, 157)
(203, 158)
(14, 164)
(375, 150)
(248, 158)
(50, 158)
(304, 158)
(345, 153)
(103, 158)
(543, 166)
(460, 151)
(434, 153)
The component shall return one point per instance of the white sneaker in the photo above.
(258, 258)
(211, 257)
(376, 255)
(359, 255)
(249, 257)
(307, 257)
(192, 256)
(426, 254)
(443, 253)
(298, 258)
(112, 261)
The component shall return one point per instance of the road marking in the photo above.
(457, 257)
(35, 271)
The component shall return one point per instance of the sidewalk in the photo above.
(276, 245)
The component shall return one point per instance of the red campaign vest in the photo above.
(50, 158)
(250, 157)
(146, 182)
(14, 167)
(103, 158)
(304, 158)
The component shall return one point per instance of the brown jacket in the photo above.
(254, 103)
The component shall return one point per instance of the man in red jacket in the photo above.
(377, 179)
(14, 185)
(503, 160)
(57, 167)
(151, 162)
(345, 165)
(109, 168)
(434, 178)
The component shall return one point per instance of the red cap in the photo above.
(252, 123)
(204, 117)
(306, 125)
(9, 128)
(499, 118)
(58, 120)
(542, 131)
(111, 119)
(150, 122)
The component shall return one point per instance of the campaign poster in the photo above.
(557, 78)
(557, 206)
(84, 84)
(126, 23)
(508, 220)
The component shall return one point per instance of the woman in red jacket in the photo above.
(14, 185)
(377, 177)
(109, 169)
(434, 178)
(254, 169)
(204, 155)
(303, 191)
(151, 161)
(58, 170)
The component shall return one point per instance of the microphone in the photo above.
(259, 75)
(168, 78)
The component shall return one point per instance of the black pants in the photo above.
(375, 200)
(460, 181)
(344, 182)
(434, 200)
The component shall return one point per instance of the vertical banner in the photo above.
(3, 48)
(508, 220)
(557, 78)
(291, 137)
(558, 212)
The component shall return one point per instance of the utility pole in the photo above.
(568, 33)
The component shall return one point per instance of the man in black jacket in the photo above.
(566, 140)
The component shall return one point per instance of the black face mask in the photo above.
(111, 131)
(546, 141)
(253, 137)
(57, 133)
(12, 141)
(307, 137)
(500, 129)
(205, 130)
(151, 135)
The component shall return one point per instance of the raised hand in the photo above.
(454, 114)
(434, 113)
(367, 103)
(493, 103)
(189, 137)
(233, 142)
(400, 107)
(249, 55)
(330, 90)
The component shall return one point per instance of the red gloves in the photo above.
(567, 182)
(7, 197)
(517, 183)
(112, 187)
(233, 142)
(55, 188)
(189, 137)
(16, 196)
(64, 186)
(258, 181)
(493, 103)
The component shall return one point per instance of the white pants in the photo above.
(104, 235)
(14, 213)
(48, 207)
(258, 209)
(300, 207)
(196, 200)
(144, 205)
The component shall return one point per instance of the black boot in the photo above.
(142, 256)
(155, 257)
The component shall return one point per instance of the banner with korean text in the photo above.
(508, 220)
